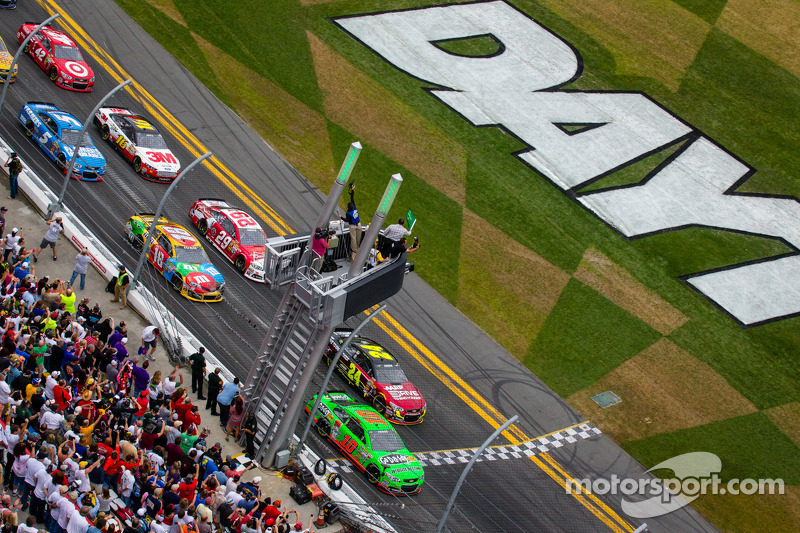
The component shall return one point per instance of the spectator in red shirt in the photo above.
(186, 490)
(61, 395)
(173, 449)
(143, 400)
(192, 416)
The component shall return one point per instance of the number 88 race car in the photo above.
(234, 233)
(369, 442)
(179, 257)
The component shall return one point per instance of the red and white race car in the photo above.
(234, 233)
(139, 142)
(58, 55)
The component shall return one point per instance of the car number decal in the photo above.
(378, 352)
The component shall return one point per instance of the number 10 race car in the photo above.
(179, 257)
(139, 142)
(370, 442)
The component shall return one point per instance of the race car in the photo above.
(56, 132)
(58, 55)
(139, 142)
(367, 366)
(234, 233)
(179, 256)
(5, 60)
(8, 4)
(369, 442)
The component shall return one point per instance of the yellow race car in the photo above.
(5, 63)
(179, 257)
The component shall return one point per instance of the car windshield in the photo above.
(68, 53)
(389, 372)
(190, 254)
(70, 137)
(150, 140)
(252, 237)
(3, 47)
(385, 440)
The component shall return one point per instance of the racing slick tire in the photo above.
(320, 467)
(27, 48)
(105, 133)
(137, 165)
(240, 263)
(202, 226)
(53, 73)
(373, 474)
(29, 128)
(379, 403)
(176, 282)
(61, 163)
(323, 427)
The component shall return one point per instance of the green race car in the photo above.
(370, 442)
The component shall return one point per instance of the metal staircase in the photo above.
(298, 329)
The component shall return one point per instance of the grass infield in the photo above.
(587, 299)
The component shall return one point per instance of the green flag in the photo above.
(410, 219)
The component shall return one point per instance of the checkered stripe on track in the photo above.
(496, 453)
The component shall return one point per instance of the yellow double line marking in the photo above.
(164, 117)
(402, 336)
(496, 419)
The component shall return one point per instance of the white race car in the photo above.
(139, 142)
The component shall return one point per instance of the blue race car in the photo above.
(56, 132)
(8, 4)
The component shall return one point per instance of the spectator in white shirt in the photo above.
(77, 520)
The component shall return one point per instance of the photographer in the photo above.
(319, 245)
(399, 248)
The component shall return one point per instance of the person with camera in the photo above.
(392, 235)
(400, 248)
(319, 246)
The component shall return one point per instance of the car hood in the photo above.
(255, 253)
(159, 159)
(401, 465)
(5, 61)
(405, 395)
(89, 155)
(76, 69)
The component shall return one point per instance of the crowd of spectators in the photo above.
(95, 443)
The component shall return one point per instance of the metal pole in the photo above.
(336, 190)
(641, 529)
(291, 414)
(158, 215)
(331, 368)
(55, 206)
(469, 467)
(375, 225)
(19, 53)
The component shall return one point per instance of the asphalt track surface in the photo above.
(471, 384)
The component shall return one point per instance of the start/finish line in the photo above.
(516, 89)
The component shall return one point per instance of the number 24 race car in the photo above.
(367, 366)
(234, 233)
(139, 142)
(369, 442)
(57, 54)
(179, 257)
